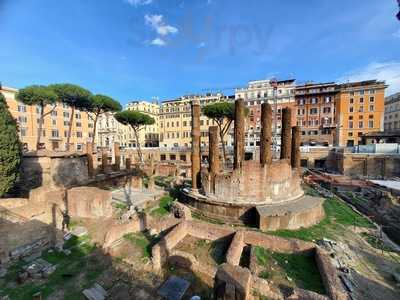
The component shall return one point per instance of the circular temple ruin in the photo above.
(265, 193)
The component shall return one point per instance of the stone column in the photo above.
(295, 159)
(196, 155)
(104, 159)
(266, 134)
(89, 153)
(239, 134)
(213, 149)
(117, 156)
(286, 138)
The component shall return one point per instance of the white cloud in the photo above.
(157, 23)
(139, 2)
(201, 45)
(397, 34)
(158, 42)
(388, 71)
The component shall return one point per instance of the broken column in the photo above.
(196, 155)
(239, 134)
(213, 154)
(266, 134)
(117, 156)
(295, 158)
(286, 134)
(89, 153)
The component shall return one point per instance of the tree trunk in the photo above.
(41, 120)
(221, 135)
(139, 150)
(71, 119)
(94, 128)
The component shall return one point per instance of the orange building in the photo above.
(55, 127)
(359, 110)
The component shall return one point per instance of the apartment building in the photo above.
(359, 110)
(315, 109)
(175, 120)
(278, 93)
(392, 113)
(55, 128)
(110, 131)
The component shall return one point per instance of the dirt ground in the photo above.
(372, 268)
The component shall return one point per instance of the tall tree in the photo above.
(74, 96)
(41, 96)
(100, 104)
(223, 113)
(137, 120)
(10, 149)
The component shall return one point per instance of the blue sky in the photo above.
(140, 49)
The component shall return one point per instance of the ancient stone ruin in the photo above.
(265, 193)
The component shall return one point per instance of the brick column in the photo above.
(89, 153)
(295, 159)
(104, 159)
(117, 156)
(266, 134)
(196, 155)
(239, 134)
(286, 138)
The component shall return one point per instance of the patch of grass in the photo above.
(375, 241)
(142, 241)
(163, 208)
(201, 217)
(338, 216)
(119, 205)
(302, 269)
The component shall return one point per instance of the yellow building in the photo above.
(359, 109)
(175, 120)
(55, 127)
(110, 131)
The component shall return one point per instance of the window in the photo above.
(65, 134)
(78, 124)
(351, 100)
(360, 124)
(23, 131)
(350, 124)
(314, 100)
(22, 119)
(201, 122)
(313, 111)
(371, 124)
(361, 92)
(54, 133)
(54, 113)
(361, 109)
(66, 123)
(66, 114)
(21, 108)
(351, 109)
(54, 122)
(371, 108)
(90, 125)
(371, 99)
(372, 91)
(184, 123)
(79, 134)
(351, 93)
(327, 110)
(361, 100)
(78, 116)
(350, 134)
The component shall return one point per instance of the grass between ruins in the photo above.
(339, 216)
(163, 208)
(79, 264)
(301, 269)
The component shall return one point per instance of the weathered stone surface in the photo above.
(214, 165)
(89, 202)
(196, 156)
(296, 155)
(96, 292)
(239, 134)
(233, 282)
(266, 134)
(181, 211)
(286, 136)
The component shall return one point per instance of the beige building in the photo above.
(110, 131)
(175, 120)
(55, 127)
(392, 113)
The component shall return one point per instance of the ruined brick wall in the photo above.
(89, 202)
(207, 231)
(117, 231)
(10, 203)
(255, 184)
(235, 250)
(329, 275)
